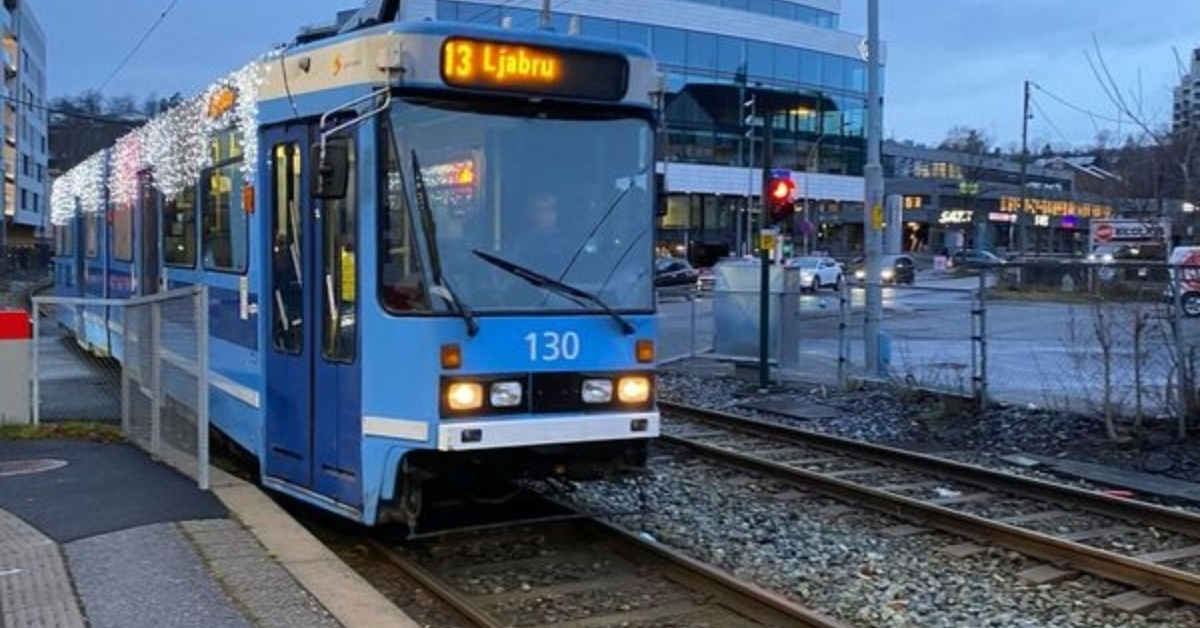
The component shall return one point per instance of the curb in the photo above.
(344, 593)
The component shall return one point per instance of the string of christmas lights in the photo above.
(174, 147)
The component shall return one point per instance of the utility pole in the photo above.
(1022, 218)
(545, 14)
(873, 198)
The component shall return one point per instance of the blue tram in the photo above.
(428, 248)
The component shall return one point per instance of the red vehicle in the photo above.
(1185, 273)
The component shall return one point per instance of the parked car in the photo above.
(896, 269)
(817, 272)
(674, 271)
(706, 279)
(971, 257)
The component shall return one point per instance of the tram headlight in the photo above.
(633, 389)
(464, 396)
(505, 394)
(597, 390)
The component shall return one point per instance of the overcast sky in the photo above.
(951, 62)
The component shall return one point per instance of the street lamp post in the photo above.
(749, 108)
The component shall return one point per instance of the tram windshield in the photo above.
(565, 196)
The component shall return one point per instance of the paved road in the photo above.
(1049, 354)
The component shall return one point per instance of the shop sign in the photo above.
(954, 217)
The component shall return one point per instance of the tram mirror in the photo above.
(329, 174)
(660, 194)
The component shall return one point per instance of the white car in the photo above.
(817, 272)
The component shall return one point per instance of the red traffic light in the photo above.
(781, 189)
(778, 190)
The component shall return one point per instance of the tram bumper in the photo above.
(469, 435)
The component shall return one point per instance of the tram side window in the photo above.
(341, 272)
(225, 224)
(91, 226)
(401, 283)
(179, 229)
(287, 271)
(122, 233)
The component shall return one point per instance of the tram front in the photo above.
(515, 266)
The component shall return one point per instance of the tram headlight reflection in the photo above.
(505, 394)
(464, 396)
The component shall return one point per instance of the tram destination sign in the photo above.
(520, 68)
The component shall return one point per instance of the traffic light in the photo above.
(779, 190)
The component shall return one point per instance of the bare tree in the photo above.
(1158, 164)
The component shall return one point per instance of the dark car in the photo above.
(674, 271)
(896, 269)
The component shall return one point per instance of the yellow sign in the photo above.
(877, 216)
(1053, 207)
(466, 61)
(766, 241)
(221, 101)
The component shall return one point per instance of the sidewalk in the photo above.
(100, 535)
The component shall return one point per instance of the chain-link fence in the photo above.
(1112, 338)
(141, 363)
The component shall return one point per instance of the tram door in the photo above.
(313, 403)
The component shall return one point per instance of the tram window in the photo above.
(401, 283)
(91, 225)
(122, 233)
(287, 271)
(341, 272)
(179, 229)
(225, 224)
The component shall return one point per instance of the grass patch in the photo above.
(70, 430)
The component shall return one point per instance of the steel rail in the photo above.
(1172, 582)
(746, 599)
(1152, 514)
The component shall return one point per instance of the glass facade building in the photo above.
(806, 79)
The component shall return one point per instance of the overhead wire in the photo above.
(145, 36)
(1077, 108)
(72, 114)
(1045, 116)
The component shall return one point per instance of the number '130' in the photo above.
(550, 346)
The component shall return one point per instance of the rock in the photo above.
(1157, 463)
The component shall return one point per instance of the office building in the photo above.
(1187, 97)
(25, 201)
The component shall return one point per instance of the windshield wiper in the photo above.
(581, 297)
(441, 287)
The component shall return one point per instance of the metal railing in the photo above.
(141, 363)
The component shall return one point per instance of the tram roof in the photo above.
(309, 79)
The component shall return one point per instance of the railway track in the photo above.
(1154, 549)
(582, 574)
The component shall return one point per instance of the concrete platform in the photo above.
(112, 539)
